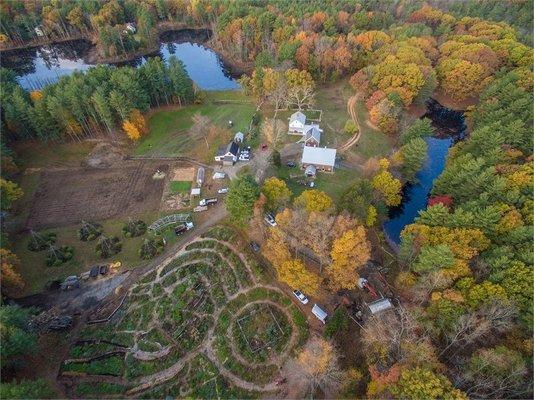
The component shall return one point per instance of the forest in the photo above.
(463, 268)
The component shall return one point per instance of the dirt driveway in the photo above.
(66, 196)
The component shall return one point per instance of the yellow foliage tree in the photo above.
(349, 252)
(388, 186)
(295, 275)
(465, 243)
(36, 95)
(11, 280)
(276, 192)
(135, 126)
(275, 249)
(314, 200)
(131, 130)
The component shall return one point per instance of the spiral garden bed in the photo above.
(200, 326)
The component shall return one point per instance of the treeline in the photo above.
(517, 13)
(104, 21)
(86, 104)
(469, 257)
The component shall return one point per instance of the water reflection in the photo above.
(40, 66)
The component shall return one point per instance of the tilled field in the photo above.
(68, 196)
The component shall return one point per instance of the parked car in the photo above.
(269, 218)
(93, 273)
(200, 208)
(300, 296)
(254, 246)
(311, 184)
(104, 269)
(244, 158)
(291, 164)
(222, 191)
(71, 282)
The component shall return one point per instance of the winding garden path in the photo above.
(207, 346)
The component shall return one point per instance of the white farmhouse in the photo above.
(317, 159)
(296, 123)
(228, 154)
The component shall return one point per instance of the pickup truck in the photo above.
(178, 230)
(206, 202)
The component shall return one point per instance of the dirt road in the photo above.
(356, 138)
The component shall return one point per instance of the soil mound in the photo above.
(104, 155)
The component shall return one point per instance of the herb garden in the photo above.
(202, 325)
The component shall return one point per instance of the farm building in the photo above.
(317, 159)
(312, 137)
(200, 176)
(228, 154)
(296, 123)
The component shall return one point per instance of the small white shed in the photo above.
(195, 192)
(319, 313)
(380, 305)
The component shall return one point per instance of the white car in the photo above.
(270, 219)
(244, 158)
(300, 296)
(222, 191)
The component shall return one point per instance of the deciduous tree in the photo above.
(316, 367)
(314, 200)
(349, 253)
(276, 192)
(297, 276)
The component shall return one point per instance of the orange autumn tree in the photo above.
(11, 281)
(135, 126)
(349, 253)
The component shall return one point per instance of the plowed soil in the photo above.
(67, 196)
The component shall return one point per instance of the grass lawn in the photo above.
(333, 184)
(168, 128)
(373, 143)
(33, 264)
(180, 186)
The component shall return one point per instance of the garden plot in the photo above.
(198, 326)
(176, 194)
(69, 196)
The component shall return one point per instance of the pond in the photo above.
(37, 67)
(450, 127)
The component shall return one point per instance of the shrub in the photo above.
(89, 231)
(350, 127)
(41, 241)
(338, 322)
(108, 246)
(151, 248)
(134, 228)
(58, 255)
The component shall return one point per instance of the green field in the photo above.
(168, 128)
(180, 186)
(373, 143)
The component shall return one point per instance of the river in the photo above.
(450, 127)
(40, 66)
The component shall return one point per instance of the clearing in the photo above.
(201, 325)
(168, 127)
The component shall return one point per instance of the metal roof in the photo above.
(319, 156)
(239, 136)
(319, 312)
(312, 131)
(297, 116)
(380, 305)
